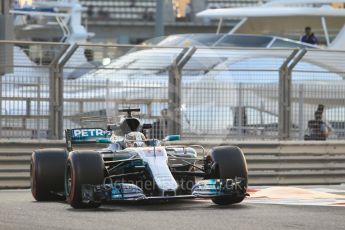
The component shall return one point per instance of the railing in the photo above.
(198, 92)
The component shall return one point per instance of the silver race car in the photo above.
(134, 168)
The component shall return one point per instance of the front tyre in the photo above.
(228, 162)
(47, 170)
(83, 167)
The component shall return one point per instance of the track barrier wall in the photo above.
(269, 162)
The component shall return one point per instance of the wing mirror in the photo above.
(147, 126)
(172, 138)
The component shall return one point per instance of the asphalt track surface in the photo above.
(18, 210)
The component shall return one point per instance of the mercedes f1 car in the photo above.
(134, 168)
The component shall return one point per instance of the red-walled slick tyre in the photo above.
(83, 167)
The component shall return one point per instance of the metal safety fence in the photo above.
(198, 92)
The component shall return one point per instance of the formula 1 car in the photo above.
(134, 168)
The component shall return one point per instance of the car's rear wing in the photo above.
(84, 136)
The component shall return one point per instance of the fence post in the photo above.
(301, 112)
(56, 81)
(38, 107)
(240, 111)
(291, 66)
(173, 96)
(285, 85)
(1, 134)
(55, 103)
(175, 91)
(284, 113)
(6, 48)
(174, 112)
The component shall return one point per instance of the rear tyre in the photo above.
(83, 167)
(47, 173)
(228, 162)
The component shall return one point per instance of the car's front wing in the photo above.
(206, 189)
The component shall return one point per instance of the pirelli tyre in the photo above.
(83, 167)
(47, 173)
(228, 162)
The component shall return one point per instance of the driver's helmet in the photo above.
(135, 139)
